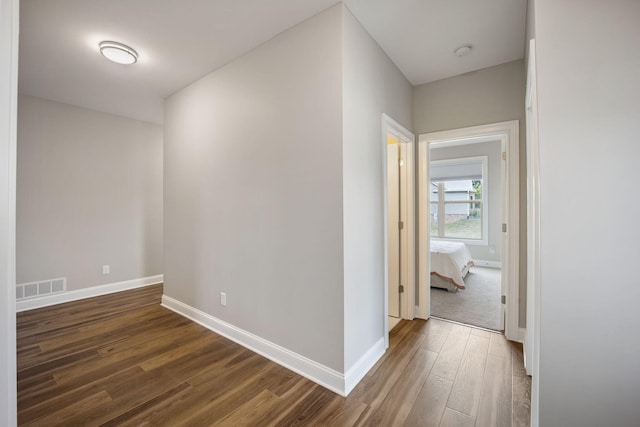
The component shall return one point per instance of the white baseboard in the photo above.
(316, 372)
(93, 291)
(485, 263)
(362, 366)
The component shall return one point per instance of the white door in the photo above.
(505, 239)
(393, 215)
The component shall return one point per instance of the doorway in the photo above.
(465, 200)
(507, 133)
(399, 234)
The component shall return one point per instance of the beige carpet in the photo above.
(478, 304)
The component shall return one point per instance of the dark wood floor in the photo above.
(122, 359)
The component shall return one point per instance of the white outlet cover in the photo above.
(106, 269)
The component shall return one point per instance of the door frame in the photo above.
(508, 133)
(9, 24)
(532, 334)
(407, 216)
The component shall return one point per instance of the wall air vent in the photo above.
(41, 288)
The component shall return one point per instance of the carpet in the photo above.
(477, 305)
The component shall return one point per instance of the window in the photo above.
(458, 206)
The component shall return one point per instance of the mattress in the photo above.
(450, 263)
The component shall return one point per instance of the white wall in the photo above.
(8, 111)
(253, 191)
(589, 128)
(372, 85)
(89, 193)
(492, 195)
(490, 95)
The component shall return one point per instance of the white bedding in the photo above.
(450, 261)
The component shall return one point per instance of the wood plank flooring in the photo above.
(123, 360)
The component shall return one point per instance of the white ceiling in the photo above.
(421, 35)
(179, 41)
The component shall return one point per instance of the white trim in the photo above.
(522, 333)
(460, 138)
(508, 134)
(489, 264)
(407, 215)
(354, 374)
(385, 228)
(316, 372)
(532, 341)
(9, 29)
(93, 291)
(423, 310)
(391, 126)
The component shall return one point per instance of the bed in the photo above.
(450, 263)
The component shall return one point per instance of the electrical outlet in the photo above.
(223, 299)
(106, 269)
(492, 249)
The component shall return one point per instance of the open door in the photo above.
(508, 135)
(399, 234)
(393, 221)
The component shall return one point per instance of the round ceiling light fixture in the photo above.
(463, 50)
(118, 52)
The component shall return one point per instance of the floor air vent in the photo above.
(41, 288)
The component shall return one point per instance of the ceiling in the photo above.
(181, 41)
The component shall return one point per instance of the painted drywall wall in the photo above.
(588, 110)
(253, 191)
(9, 24)
(490, 95)
(89, 194)
(372, 85)
(493, 195)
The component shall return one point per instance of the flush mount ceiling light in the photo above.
(463, 50)
(118, 52)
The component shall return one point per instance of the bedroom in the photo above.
(465, 212)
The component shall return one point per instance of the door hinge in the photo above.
(400, 225)
(504, 228)
(504, 155)
(503, 300)
(401, 289)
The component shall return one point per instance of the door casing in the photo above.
(407, 215)
(508, 134)
(532, 340)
